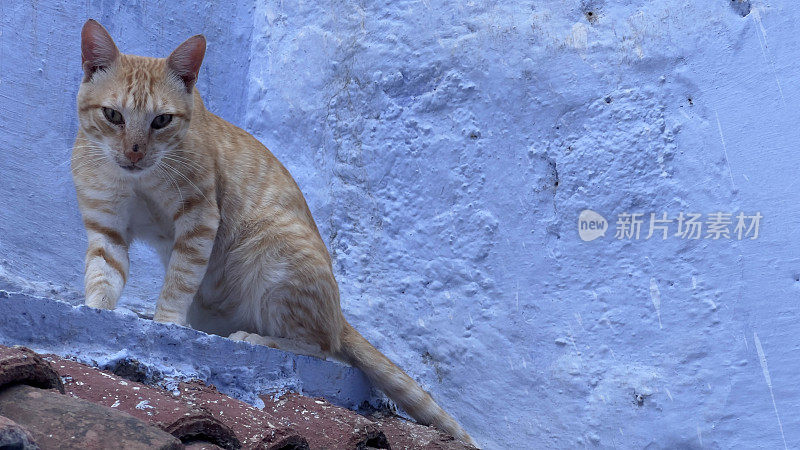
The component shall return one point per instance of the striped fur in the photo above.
(242, 253)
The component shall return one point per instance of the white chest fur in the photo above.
(148, 222)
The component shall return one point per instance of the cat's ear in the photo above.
(98, 51)
(185, 61)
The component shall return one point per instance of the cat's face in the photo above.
(135, 109)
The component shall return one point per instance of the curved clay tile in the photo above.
(20, 365)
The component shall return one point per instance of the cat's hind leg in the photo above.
(290, 345)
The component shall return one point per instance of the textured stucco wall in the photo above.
(446, 150)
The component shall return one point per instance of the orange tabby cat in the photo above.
(241, 250)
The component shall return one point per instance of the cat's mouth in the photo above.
(132, 167)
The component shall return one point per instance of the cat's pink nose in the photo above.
(134, 154)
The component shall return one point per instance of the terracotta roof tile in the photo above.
(22, 365)
(405, 435)
(103, 408)
(13, 435)
(256, 428)
(202, 446)
(324, 424)
(58, 421)
(153, 405)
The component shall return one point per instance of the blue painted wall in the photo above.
(446, 150)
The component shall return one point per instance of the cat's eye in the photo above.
(113, 116)
(161, 121)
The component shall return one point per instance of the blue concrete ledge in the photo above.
(237, 369)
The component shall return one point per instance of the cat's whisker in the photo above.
(85, 155)
(90, 142)
(175, 183)
(184, 162)
(91, 150)
(82, 157)
(176, 171)
(177, 157)
(83, 148)
(183, 165)
(88, 164)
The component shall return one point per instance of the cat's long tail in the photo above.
(397, 384)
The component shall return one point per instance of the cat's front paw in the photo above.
(100, 302)
(252, 338)
(165, 317)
